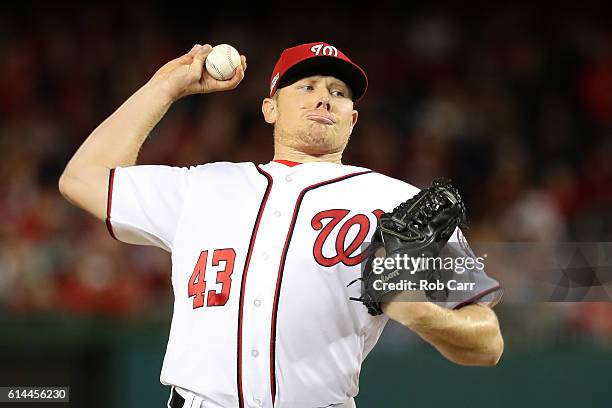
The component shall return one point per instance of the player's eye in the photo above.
(338, 93)
(307, 87)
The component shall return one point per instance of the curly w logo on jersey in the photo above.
(346, 254)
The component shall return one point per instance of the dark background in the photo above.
(513, 102)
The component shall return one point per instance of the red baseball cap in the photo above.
(317, 58)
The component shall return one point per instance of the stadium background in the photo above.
(514, 102)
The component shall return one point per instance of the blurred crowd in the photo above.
(514, 103)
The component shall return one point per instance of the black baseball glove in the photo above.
(417, 228)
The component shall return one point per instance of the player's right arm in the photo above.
(117, 141)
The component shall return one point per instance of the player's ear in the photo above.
(354, 117)
(269, 110)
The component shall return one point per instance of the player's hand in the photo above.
(187, 75)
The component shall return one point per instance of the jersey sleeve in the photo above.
(470, 283)
(145, 204)
(464, 277)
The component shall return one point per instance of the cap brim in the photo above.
(350, 73)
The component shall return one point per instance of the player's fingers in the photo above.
(197, 65)
(187, 59)
(231, 83)
(243, 62)
(184, 59)
(194, 50)
(236, 79)
(201, 53)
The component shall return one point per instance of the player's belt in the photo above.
(176, 401)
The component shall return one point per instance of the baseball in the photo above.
(222, 62)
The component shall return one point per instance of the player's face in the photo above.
(314, 115)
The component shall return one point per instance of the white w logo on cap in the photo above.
(328, 50)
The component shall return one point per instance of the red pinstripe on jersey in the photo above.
(280, 272)
(262, 206)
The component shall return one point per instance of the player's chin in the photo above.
(319, 142)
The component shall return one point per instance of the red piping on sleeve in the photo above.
(478, 296)
(109, 203)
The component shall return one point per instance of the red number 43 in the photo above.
(197, 283)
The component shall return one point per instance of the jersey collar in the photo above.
(288, 163)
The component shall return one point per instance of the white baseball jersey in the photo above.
(261, 259)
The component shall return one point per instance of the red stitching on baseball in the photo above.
(217, 69)
(229, 57)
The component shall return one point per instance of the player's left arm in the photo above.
(469, 335)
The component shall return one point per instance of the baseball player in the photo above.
(262, 253)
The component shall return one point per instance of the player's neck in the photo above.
(289, 154)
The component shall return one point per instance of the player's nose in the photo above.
(323, 103)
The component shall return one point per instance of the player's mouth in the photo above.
(323, 119)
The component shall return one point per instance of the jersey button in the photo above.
(277, 213)
(258, 402)
(255, 353)
(289, 179)
(265, 256)
(257, 302)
